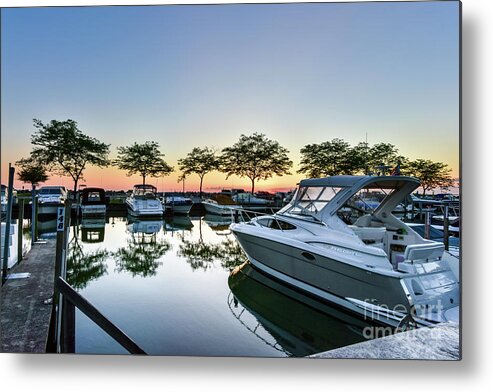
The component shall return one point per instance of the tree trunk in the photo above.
(201, 179)
(253, 184)
(143, 179)
(75, 190)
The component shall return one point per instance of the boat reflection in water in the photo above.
(143, 249)
(287, 320)
(178, 223)
(218, 223)
(86, 264)
(92, 229)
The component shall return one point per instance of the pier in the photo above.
(441, 342)
(26, 305)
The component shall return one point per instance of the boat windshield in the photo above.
(311, 200)
(147, 191)
(50, 191)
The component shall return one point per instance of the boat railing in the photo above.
(239, 214)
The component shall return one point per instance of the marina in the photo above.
(147, 275)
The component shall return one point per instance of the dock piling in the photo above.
(20, 221)
(8, 222)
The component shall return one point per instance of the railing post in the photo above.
(427, 224)
(68, 326)
(445, 226)
(8, 222)
(20, 222)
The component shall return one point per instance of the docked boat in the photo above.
(93, 202)
(50, 198)
(246, 198)
(368, 262)
(143, 202)
(177, 205)
(220, 204)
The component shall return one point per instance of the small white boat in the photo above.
(50, 198)
(178, 205)
(213, 207)
(93, 202)
(143, 202)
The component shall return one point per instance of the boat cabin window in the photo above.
(93, 196)
(311, 200)
(276, 224)
(147, 191)
(50, 191)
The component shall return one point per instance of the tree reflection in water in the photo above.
(140, 255)
(84, 267)
(202, 255)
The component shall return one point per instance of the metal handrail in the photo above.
(75, 299)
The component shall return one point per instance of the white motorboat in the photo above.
(221, 204)
(143, 202)
(93, 202)
(368, 262)
(178, 205)
(50, 198)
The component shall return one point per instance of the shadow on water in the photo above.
(286, 319)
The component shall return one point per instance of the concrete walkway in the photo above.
(24, 317)
(440, 342)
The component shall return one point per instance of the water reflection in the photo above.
(286, 319)
(140, 256)
(92, 229)
(201, 254)
(83, 265)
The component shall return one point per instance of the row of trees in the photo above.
(61, 148)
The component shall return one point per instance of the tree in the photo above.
(200, 161)
(430, 174)
(144, 159)
(255, 157)
(379, 154)
(329, 158)
(31, 172)
(65, 150)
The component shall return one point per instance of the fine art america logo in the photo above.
(408, 317)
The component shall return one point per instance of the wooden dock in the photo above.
(25, 302)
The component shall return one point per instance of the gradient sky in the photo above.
(188, 76)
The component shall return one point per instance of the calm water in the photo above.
(168, 285)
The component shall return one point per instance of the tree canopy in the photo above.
(31, 172)
(430, 174)
(336, 157)
(144, 159)
(199, 161)
(255, 157)
(65, 150)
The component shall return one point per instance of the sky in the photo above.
(202, 75)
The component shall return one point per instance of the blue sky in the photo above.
(189, 76)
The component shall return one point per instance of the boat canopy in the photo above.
(93, 196)
(320, 198)
(144, 190)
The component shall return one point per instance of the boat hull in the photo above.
(218, 209)
(178, 209)
(93, 210)
(48, 208)
(144, 212)
(330, 276)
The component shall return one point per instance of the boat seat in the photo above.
(369, 233)
(426, 251)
